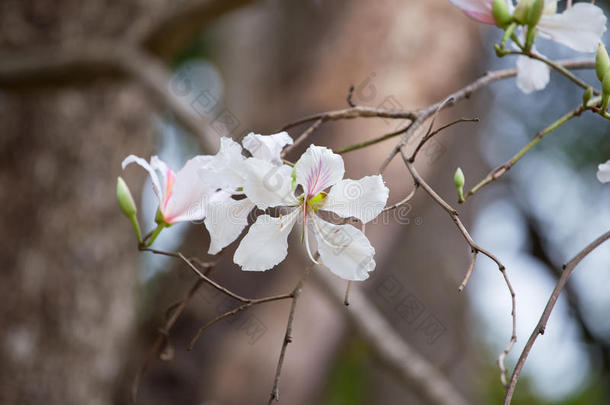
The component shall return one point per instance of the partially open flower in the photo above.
(182, 195)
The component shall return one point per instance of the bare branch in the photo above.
(500, 170)
(429, 135)
(302, 137)
(541, 326)
(275, 391)
(469, 271)
(354, 112)
(466, 92)
(453, 214)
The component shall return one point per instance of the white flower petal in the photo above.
(188, 195)
(154, 177)
(266, 243)
(344, 249)
(318, 168)
(532, 75)
(166, 172)
(267, 147)
(603, 172)
(266, 184)
(363, 199)
(579, 27)
(225, 220)
(223, 169)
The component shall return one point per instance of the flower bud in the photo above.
(522, 10)
(602, 62)
(534, 13)
(458, 181)
(128, 206)
(500, 13)
(606, 91)
(587, 96)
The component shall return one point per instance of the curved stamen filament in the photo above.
(306, 236)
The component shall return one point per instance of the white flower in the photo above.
(344, 249)
(182, 195)
(579, 27)
(603, 172)
(227, 218)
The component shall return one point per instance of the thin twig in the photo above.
(275, 391)
(429, 135)
(503, 168)
(236, 311)
(404, 200)
(373, 141)
(453, 214)
(469, 271)
(568, 268)
(466, 92)
(354, 112)
(302, 137)
(350, 96)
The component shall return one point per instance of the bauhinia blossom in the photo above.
(603, 172)
(579, 27)
(227, 218)
(182, 195)
(344, 249)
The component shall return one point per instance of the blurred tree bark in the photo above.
(68, 264)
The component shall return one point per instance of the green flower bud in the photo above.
(459, 180)
(602, 62)
(587, 96)
(534, 13)
(500, 13)
(522, 10)
(128, 206)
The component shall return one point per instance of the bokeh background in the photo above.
(80, 306)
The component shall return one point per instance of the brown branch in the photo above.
(302, 137)
(354, 112)
(429, 135)
(373, 141)
(389, 348)
(453, 214)
(568, 268)
(466, 92)
(469, 271)
(236, 311)
(275, 391)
